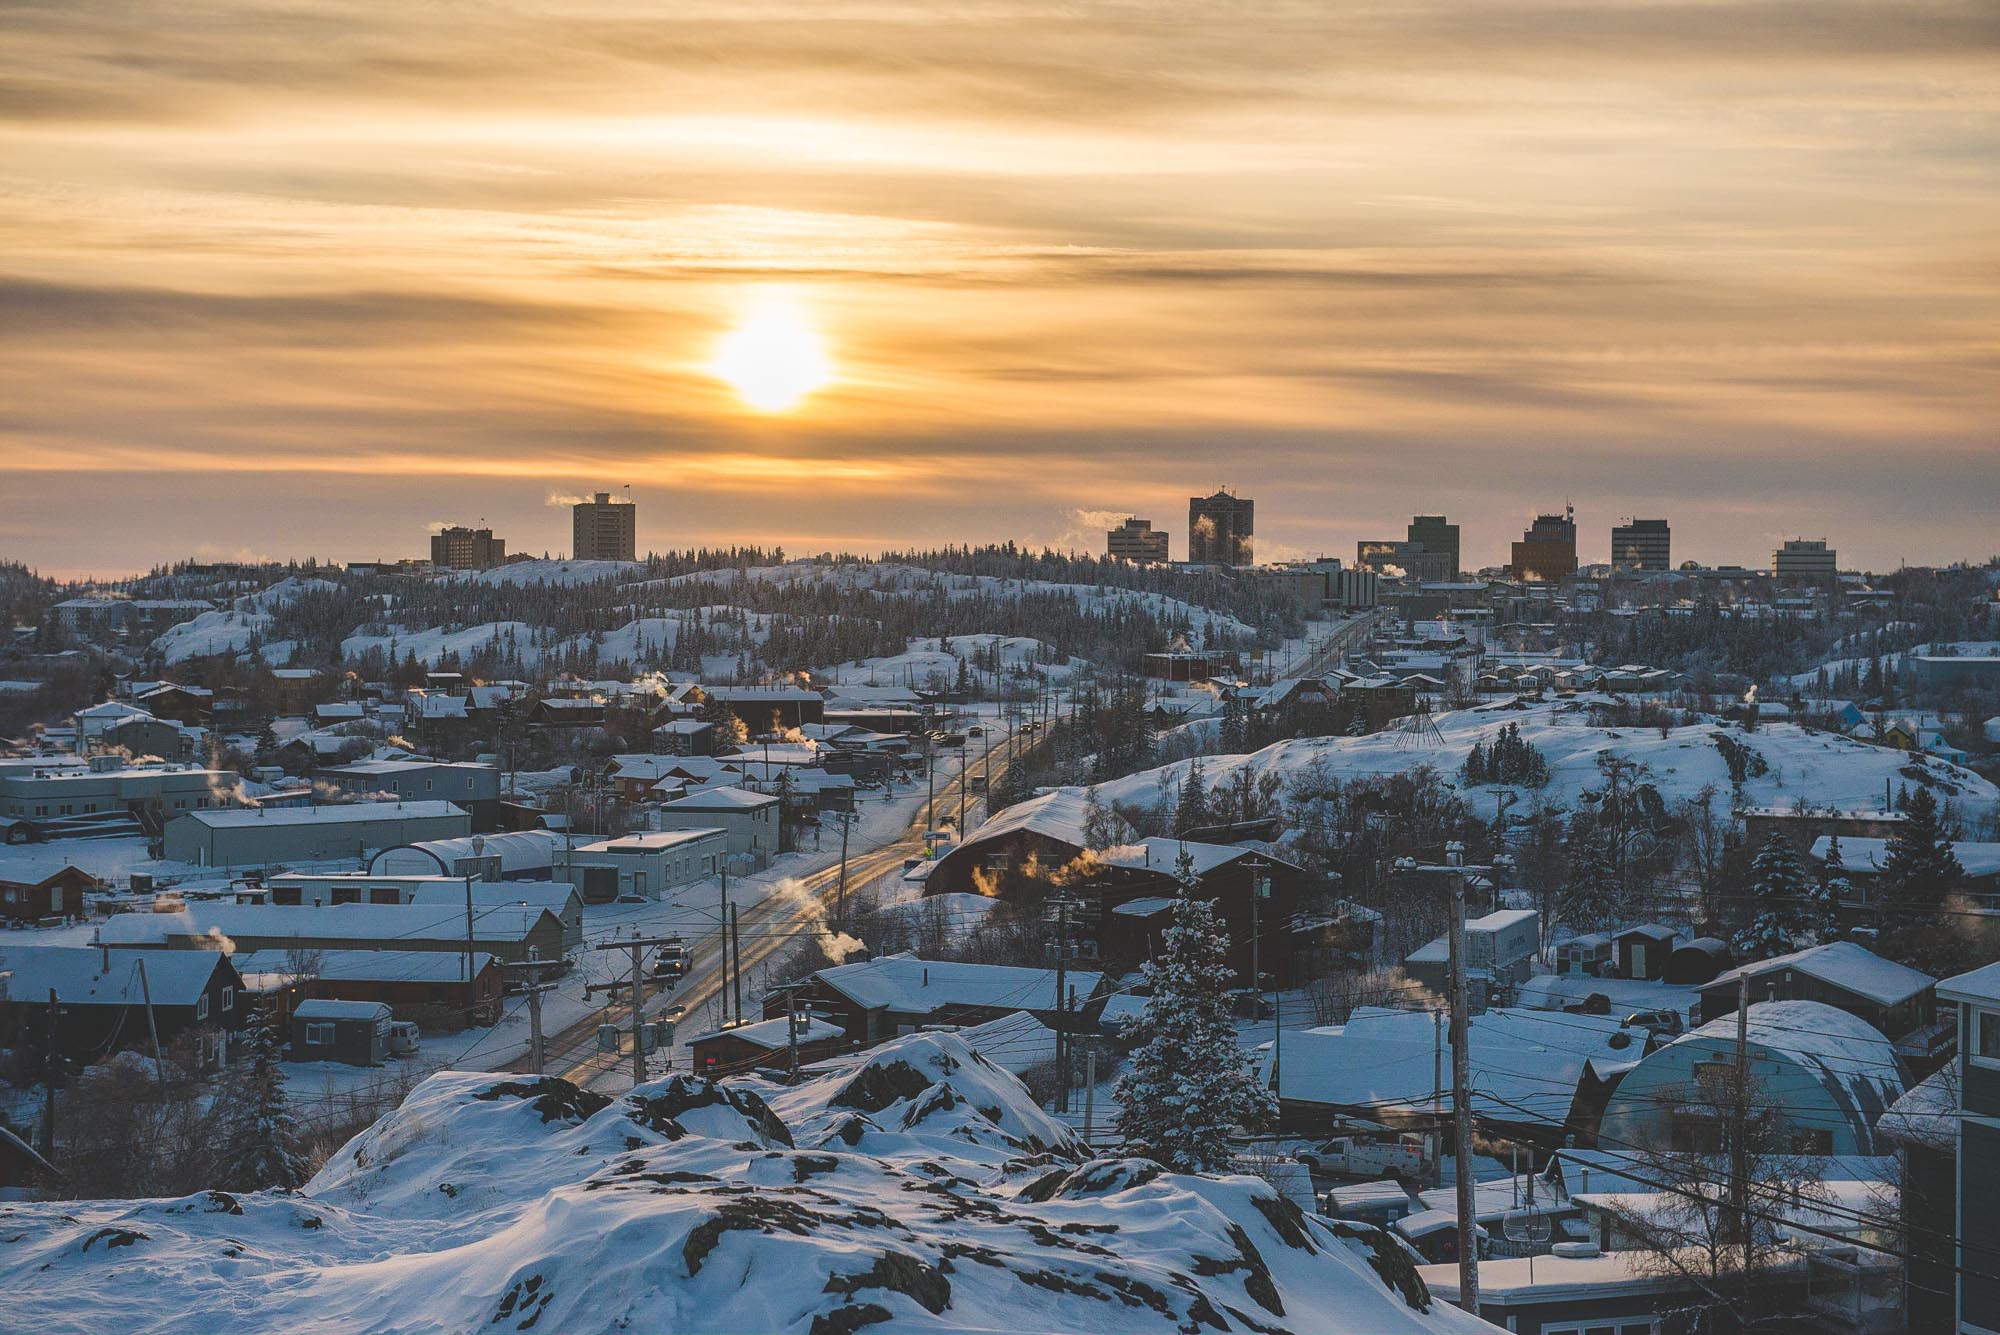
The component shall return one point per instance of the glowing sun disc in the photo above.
(774, 358)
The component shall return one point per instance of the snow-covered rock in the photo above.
(915, 1188)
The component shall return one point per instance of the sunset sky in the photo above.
(303, 278)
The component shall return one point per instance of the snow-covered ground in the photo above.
(1819, 768)
(926, 658)
(916, 1187)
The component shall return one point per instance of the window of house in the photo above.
(229, 998)
(319, 1035)
(201, 1008)
(1623, 1325)
(1986, 1037)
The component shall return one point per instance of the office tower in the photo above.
(1220, 528)
(605, 529)
(1136, 540)
(1803, 559)
(1547, 551)
(1642, 544)
(1431, 533)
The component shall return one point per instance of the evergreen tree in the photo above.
(1235, 732)
(1475, 765)
(1192, 1085)
(1779, 891)
(1919, 867)
(1591, 894)
(1832, 891)
(260, 1135)
(1357, 725)
(1192, 812)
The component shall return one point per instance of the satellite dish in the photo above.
(1528, 1225)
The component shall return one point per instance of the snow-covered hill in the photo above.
(915, 1188)
(230, 630)
(1783, 762)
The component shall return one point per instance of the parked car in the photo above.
(403, 1038)
(1666, 1021)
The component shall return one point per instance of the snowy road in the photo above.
(768, 927)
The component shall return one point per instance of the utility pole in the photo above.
(840, 895)
(637, 945)
(1739, 1117)
(1461, 1109)
(535, 988)
(736, 940)
(1062, 1007)
(930, 780)
(962, 759)
(50, 1077)
(152, 1026)
(471, 983)
(1089, 1093)
(722, 992)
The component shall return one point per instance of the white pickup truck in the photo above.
(1410, 1156)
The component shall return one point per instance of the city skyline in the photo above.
(864, 277)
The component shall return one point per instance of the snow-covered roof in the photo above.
(1145, 907)
(1928, 1113)
(1980, 987)
(1842, 964)
(1056, 815)
(263, 969)
(518, 851)
(1525, 1064)
(352, 922)
(1872, 855)
(319, 1008)
(911, 986)
(1850, 1057)
(348, 813)
(84, 975)
(1017, 1042)
(648, 841)
(775, 1035)
(1163, 855)
(721, 799)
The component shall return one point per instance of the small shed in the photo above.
(1643, 951)
(1699, 961)
(352, 1032)
(1590, 954)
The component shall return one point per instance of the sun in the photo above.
(774, 358)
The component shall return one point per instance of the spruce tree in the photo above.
(1192, 812)
(1779, 891)
(1101, 826)
(1475, 765)
(1191, 1086)
(1919, 867)
(260, 1135)
(1832, 891)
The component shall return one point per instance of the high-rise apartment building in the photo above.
(605, 530)
(1803, 559)
(461, 548)
(1136, 540)
(1433, 534)
(1642, 544)
(1547, 551)
(1220, 529)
